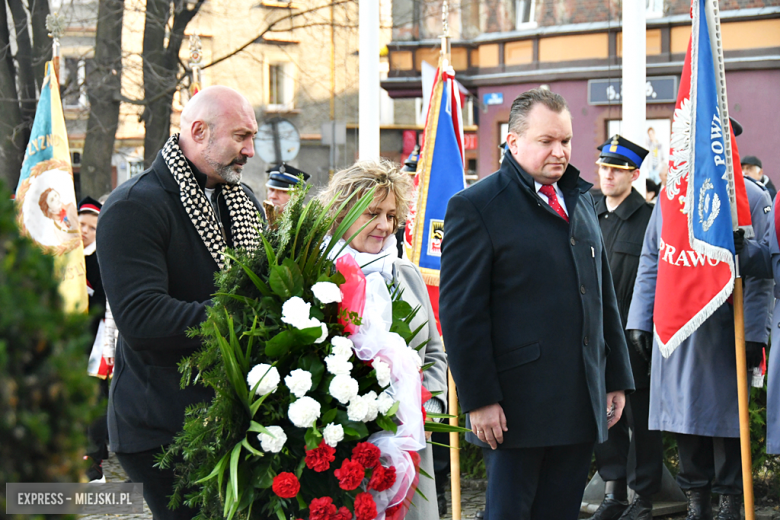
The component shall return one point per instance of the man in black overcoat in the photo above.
(636, 460)
(161, 238)
(530, 319)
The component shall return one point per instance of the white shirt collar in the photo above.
(558, 192)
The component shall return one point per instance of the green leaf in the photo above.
(256, 405)
(312, 438)
(313, 364)
(291, 339)
(402, 329)
(261, 286)
(353, 430)
(427, 366)
(329, 416)
(284, 282)
(219, 468)
(301, 504)
(235, 376)
(401, 310)
(280, 513)
(425, 474)
(440, 416)
(245, 443)
(269, 251)
(259, 428)
(261, 474)
(393, 409)
(432, 426)
(386, 423)
(234, 456)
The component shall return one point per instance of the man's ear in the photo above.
(511, 141)
(635, 175)
(199, 132)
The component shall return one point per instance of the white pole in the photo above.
(634, 77)
(368, 119)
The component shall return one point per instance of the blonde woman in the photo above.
(374, 249)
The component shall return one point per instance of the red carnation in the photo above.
(350, 475)
(286, 485)
(343, 514)
(383, 478)
(366, 454)
(321, 509)
(319, 459)
(365, 508)
(425, 414)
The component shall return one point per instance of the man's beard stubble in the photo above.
(225, 171)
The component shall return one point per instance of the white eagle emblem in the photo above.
(681, 151)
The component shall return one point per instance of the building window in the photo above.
(655, 8)
(524, 13)
(73, 79)
(506, 15)
(135, 168)
(281, 88)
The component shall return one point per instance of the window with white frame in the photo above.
(655, 8)
(73, 79)
(524, 13)
(281, 86)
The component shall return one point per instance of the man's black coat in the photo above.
(159, 278)
(624, 233)
(528, 310)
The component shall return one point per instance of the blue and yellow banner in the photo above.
(46, 198)
(440, 175)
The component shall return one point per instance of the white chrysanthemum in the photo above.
(338, 365)
(304, 412)
(326, 292)
(295, 312)
(333, 434)
(299, 382)
(382, 372)
(324, 334)
(357, 409)
(373, 406)
(270, 378)
(384, 402)
(343, 388)
(342, 346)
(272, 444)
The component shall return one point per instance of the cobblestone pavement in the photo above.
(472, 499)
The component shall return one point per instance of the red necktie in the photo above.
(552, 199)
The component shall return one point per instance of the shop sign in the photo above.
(660, 89)
(470, 141)
(493, 98)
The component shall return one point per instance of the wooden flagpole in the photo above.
(451, 391)
(742, 394)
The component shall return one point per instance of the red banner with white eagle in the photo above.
(704, 199)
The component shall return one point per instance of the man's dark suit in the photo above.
(159, 278)
(530, 321)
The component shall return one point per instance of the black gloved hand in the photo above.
(642, 341)
(754, 353)
(739, 241)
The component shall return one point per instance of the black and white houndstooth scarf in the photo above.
(243, 214)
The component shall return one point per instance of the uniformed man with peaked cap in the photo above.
(636, 460)
(282, 179)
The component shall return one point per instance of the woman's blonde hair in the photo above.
(383, 174)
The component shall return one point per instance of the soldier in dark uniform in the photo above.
(281, 180)
(638, 460)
